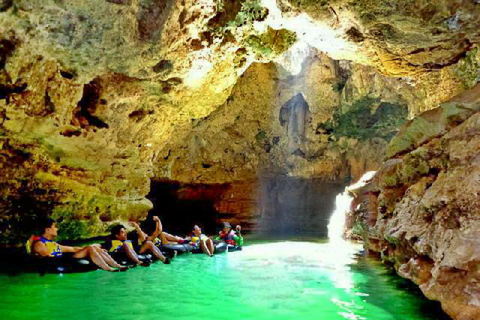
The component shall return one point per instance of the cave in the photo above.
(181, 206)
(338, 140)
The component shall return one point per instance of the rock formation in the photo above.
(422, 213)
(97, 98)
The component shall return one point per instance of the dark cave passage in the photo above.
(273, 207)
(180, 206)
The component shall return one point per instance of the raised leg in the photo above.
(108, 259)
(170, 237)
(211, 246)
(131, 254)
(205, 249)
(91, 252)
(148, 246)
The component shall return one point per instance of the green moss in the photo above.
(427, 126)
(338, 87)
(272, 42)
(360, 122)
(468, 69)
(260, 136)
(80, 219)
(252, 10)
(53, 151)
(412, 169)
(390, 181)
(359, 229)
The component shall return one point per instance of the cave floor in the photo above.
(268, 280)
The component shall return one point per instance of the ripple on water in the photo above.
(283, 280)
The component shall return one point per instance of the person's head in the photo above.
(48, 228)
(118, 232)
(226, 227)
(197, 230)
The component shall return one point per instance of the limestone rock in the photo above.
(422, 211)
(101, 96)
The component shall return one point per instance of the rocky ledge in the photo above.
(421, 212)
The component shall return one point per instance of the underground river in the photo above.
(267, 280)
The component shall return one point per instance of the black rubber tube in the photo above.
(25, 263)
(220, 247)
(180, 248)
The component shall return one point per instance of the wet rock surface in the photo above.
(422, 213)
(99, 97)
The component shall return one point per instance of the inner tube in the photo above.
(180, 248)
(232, 248)
(67, 264)
(19, 262)
(220, 247)
(122, 258)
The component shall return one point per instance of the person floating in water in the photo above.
(119, 244)
(201, 241)
(44, 246)
(232, 238)
(154, 229)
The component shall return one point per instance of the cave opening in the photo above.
(180, 206)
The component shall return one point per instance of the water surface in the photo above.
(280, 280)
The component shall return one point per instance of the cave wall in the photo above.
(97, 97)
(422, 213)
(90, 90)
(351, 112)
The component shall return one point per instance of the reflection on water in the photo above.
(281, 280)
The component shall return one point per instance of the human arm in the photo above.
(238, 236)
(219, 236)
(69, 249)
(41, 249)
(141, 235)
(158, 230)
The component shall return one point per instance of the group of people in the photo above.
(148, 239)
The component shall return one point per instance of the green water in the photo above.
(282, 280)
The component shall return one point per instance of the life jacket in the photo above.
(196, 240)
(30, 242)
(228, 238)
(53, 248)
(157, 242)
(116, 245)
